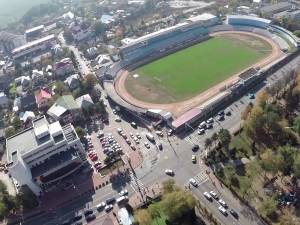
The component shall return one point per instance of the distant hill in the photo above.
(13, 10)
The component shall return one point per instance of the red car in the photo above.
(94, 158)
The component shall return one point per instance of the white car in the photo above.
(193, 182)
(114, 111)
(201, 131)
(138, 136)
(131, 135)
(100, 206)
(108, 208)
(222, 203)
(169, 172)
(118, 119)
(159, 133)
(208, 196)
(147, 145)
(210, 120)
(123, 192)
(214, 195)
(222, 210)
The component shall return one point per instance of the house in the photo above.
(80, 31)
(38, 77)
(68, 17)
(72, 81)
(65, 110)
(24, 81)
(57, 49)
(92, 52)
(26, 116)
(27, 103)
(85, 102)
(63, 67)
(44, 154)
(3, 100)
(43, 97)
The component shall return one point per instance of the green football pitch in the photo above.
(189, 72)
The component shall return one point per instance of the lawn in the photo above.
(13, 10)
(191, 71)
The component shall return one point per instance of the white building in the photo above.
(42, 155)
(34, 46)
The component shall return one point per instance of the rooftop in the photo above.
(249, 18)
(41, 27)
(186, 117)
(33, 43)
(202, 17)
(276, 7)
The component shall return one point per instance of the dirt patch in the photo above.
(179, 108)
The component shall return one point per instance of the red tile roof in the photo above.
(42, 94)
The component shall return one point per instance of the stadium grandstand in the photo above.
(194, 28)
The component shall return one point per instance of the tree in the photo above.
(287, 154)
(9, 131)
(225, 138)
(80, 132)
(207, 143)
(89, 82)
(60, 88)
(177, 204)
(154, 211)
(268, 208)
(26, 198)
(16, 123)
(296, 166)
(143, 217)
(271, 162)
(247, 111)
(98, 28)
(297, 33)
(168, 186)
(214, 138)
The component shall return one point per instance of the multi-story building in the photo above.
(33, 47)
(44, 154)
(63, 67)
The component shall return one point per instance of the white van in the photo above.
(122, 199)
(150, 137)
(202, 125)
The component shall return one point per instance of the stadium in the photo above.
(180, 73)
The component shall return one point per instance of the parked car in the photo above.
(133, 124)
(223, 210)
(222, 203)
(170, 132)
(194, 159)
(88, 212)
(169, 172)
(122, 199)
(90, 218)
(234, 213)
(159, 145)
(147, 145)
(108, 208)
(195, 147)
(100, 206)
(210, 120)
(123, 192)
(208, 196)
(110, 201)
(214, 195)
(193, 182)
(138, 136)
(159, 133)
(201, 131)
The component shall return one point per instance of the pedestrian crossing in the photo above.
(135, 183)
(201, 178)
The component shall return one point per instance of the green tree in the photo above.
(296, 166)
(80, 132)
(297, 33)
(214, 138)
(154, 211)
(268, 208)
(89, 82)
(177, 204)
(9, 131)
(225, 138)
(60, 88)
(271, 162)
(99, 28)
(16, 123)
(26, 198)
(207, 143)
(287, 153)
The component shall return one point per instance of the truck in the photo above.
(150, 137)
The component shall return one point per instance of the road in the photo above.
(82, 63)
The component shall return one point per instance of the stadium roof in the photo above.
(186, 117)
(249, 18)
(202, 17)
(33, 43)
(41, 27)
